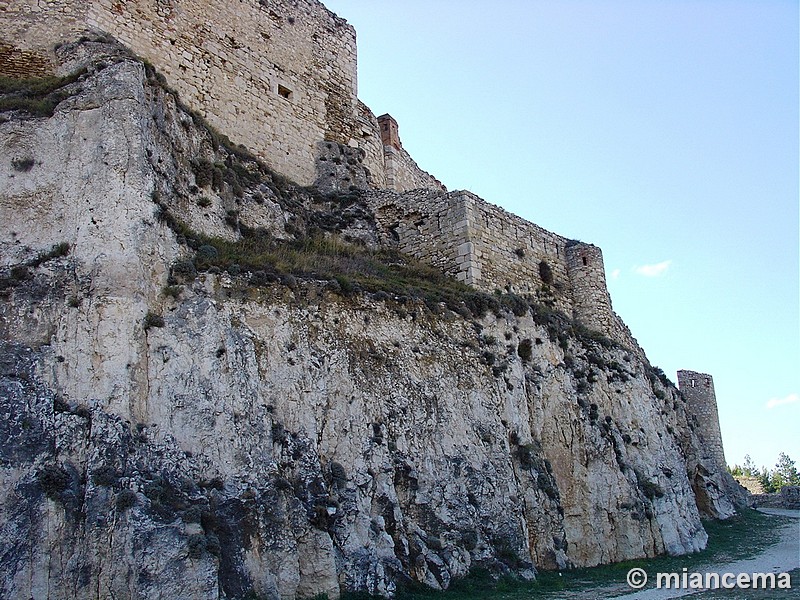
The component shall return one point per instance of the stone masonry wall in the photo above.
(278, 76)
(698, 389)
(511, 248)
(402, 172)
(26, 47)
(592, 303)
(372, 145)
(490, 248)
(427, 224)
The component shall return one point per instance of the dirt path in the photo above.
(781, 557)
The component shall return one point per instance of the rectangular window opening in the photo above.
(284, 92)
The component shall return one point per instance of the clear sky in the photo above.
(663, 131)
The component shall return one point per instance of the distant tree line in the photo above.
(772, 480)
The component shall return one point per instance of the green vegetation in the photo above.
(54, 481)
(349, 268)
(20, 273)
(125, 500)
(525, 349)
(37, 96)
(657, 374)
(23, 165)
(153, 320)
(57, 251)
(546, 273)
(319, 251)
(785, 473)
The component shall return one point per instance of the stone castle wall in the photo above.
(402, 172)
(698, 389)
(30, 30)
(592, 303)
(511, 248)
(372, 146)
(491, 249)
(280, 77)
(428, 224)
(277, 76)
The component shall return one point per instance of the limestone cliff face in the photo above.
(285, 439)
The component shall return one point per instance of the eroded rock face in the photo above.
(285, 440)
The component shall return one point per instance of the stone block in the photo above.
(466, 248)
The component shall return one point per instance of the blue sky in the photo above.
(664, 131)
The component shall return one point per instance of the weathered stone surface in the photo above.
(285, 440)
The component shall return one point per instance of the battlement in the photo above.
(698, 389)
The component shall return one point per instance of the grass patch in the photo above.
(57, 251)
(351, 268)
(37, 96)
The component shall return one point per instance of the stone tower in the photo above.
(698, 389)
(587, 276)
(390, 134)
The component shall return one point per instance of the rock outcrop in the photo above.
(177, 427)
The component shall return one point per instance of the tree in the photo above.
(765, 478)
(749, 469)
(785, 472)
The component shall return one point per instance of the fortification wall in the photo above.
(511, 249)
(372, 145)
(698, 389)
(278, 76)
(592, 303)
(402, 172)
(487, 247)
(518, 256)
(26, 44)
(430, 225)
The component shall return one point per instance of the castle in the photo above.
(280, 77)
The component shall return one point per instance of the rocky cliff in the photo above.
(216, 384)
